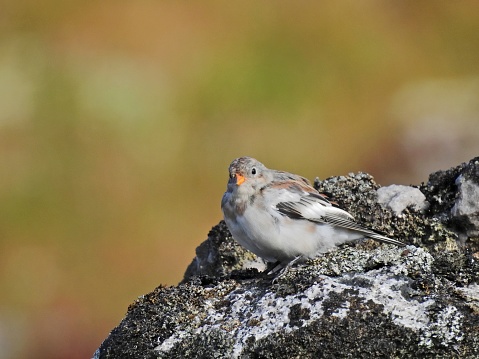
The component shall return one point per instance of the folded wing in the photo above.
(315, 208)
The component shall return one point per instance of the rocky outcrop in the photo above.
(362, 300)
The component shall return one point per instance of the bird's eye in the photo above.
(253, 171)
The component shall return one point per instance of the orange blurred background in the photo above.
(118, 121)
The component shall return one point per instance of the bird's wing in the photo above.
(315, 208)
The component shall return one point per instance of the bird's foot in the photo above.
(283, 269)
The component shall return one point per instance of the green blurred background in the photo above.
(118, 121)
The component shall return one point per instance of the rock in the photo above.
(361, 300)
(398, 198)
(220, 254)
(453, 195)
(465, 212)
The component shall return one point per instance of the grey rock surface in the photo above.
(466, 206)
(362, 300)
(399, 197)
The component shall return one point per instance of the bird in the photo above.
(282, 218)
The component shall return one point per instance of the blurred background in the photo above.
(118, 121)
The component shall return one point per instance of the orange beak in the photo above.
(239, 179)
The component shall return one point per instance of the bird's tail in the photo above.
(384, 239)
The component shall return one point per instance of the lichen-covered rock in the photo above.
(465, 211)
(453, 195)
(220, 255)
(362, 300)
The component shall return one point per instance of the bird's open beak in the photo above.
(239, 179)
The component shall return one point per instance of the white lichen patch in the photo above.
(254, 314)
(446, 329)
(170, 342)
(386, 290)
(343, 311)
(256, 262)
(470, 292)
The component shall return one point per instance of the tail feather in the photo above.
(384, 239)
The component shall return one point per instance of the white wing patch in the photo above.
(313, 208)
